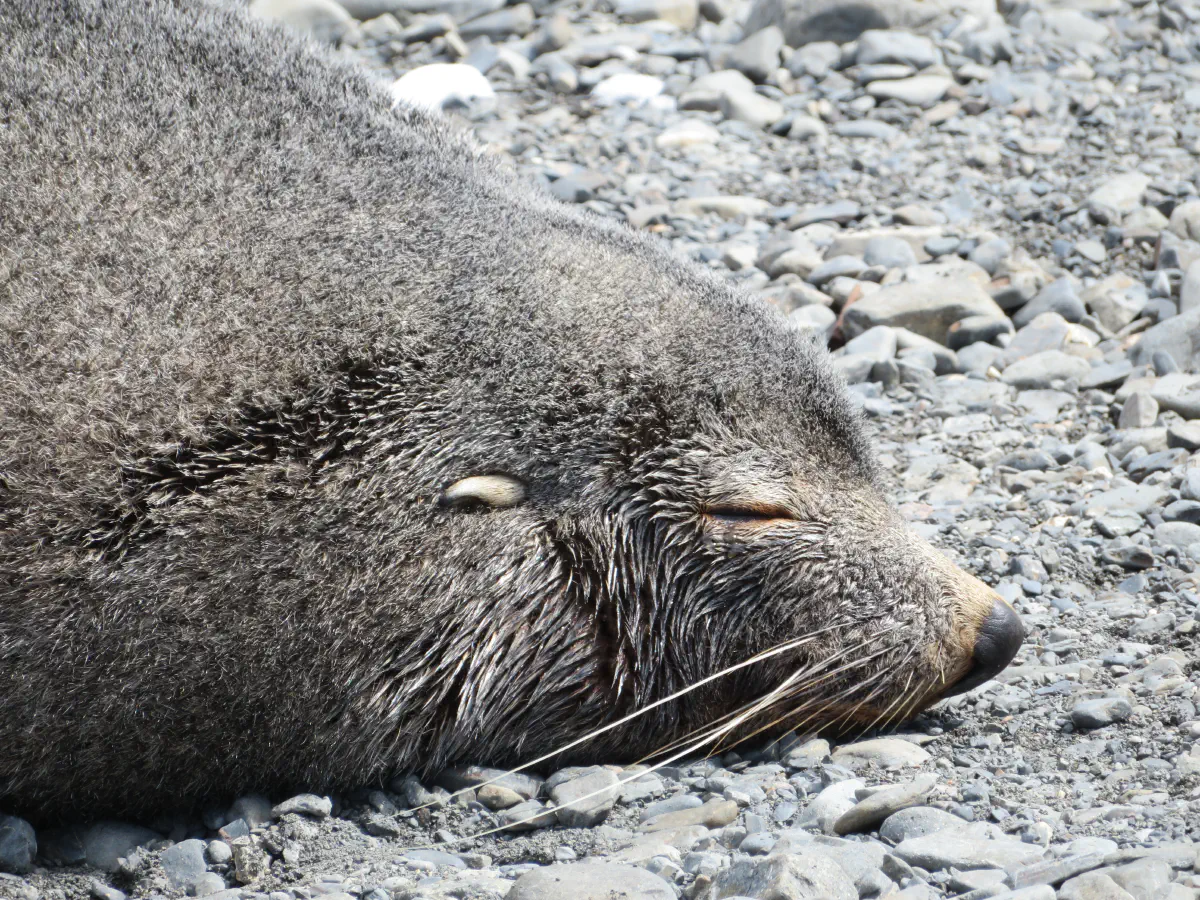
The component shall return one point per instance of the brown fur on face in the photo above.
(255, 327)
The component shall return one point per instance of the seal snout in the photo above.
(1000, 637)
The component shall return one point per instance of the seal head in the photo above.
(331, 449)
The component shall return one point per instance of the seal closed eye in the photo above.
(331, 449)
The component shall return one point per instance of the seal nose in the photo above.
(1000, 637)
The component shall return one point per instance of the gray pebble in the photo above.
(1101, 712)
(183, 863)
(18, 845)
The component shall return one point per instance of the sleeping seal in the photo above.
(330, 449)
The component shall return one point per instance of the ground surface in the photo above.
(1041, 173)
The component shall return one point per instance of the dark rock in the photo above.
(1059, 297)
(1101, 712)
(977, 328)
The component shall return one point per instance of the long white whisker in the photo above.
(766, 701)
(757, 658)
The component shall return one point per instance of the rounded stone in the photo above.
(183, 863)
(18, 845)
(887, 753)
(918, 821)
(590, 881)
(1100, 712)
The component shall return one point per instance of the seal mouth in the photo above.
(1000, 637)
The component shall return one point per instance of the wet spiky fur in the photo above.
(253, 322)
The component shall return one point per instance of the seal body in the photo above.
(329, 449)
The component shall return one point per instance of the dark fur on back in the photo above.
(252, 322)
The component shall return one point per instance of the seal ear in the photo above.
(494, 491)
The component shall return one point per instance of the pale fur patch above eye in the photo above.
(492, 491)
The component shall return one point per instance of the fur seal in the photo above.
(329, 448)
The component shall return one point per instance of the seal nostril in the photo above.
(1000, 637)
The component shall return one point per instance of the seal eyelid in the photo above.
(483, 491)
(750, 513)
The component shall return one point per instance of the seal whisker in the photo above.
(777, 650)
(913, 701)
(885, 714)
(755, 707)
(817, 707)
(824, 677)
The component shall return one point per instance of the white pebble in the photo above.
(438, 85)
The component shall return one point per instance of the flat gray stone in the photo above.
(855, 367)
(1145, 879)
(887, 753)
(1037, 892)
(926, 308)
(1160, 461)
(586, 800)
(1116, 300)
(713, 814)
(1159, 623)
(591, 881)
(1116, 197)
(752, 108)
(783, 876)
(437, 857)
(1142, 498)
(1177, 534)
(830, 805)
(1106, 375)
(1119, 522)
(1041, 370)
(527, 816)
(1092, 886)
(851, 266)
(894, 46)
(461, 10)
(1049, 331)
(840, 211)
(499, 25)
(1140, 411)
(1057, 297)
(1101, 712)
(920, 90)
(947, 849)
(860, 860)
(1179, 336)
(889, 251)
(879, 343)
(682, 13)
(1055, 871)
(1184, 436)
(873, 129)
(457, 778)
(497, 796)
(918, 821)
(674, 803)
(877, 807)
(757, 57)
(183, 863)
(306, 805)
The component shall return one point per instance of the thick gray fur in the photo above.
(253, 321)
